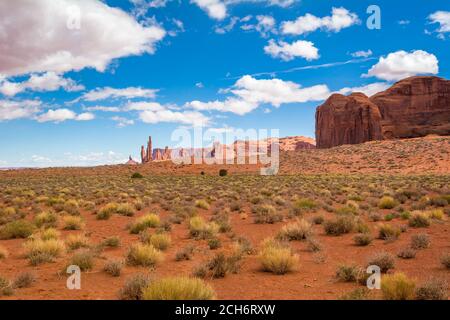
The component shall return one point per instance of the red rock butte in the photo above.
(411, 108)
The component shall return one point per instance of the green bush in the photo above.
(339, 226)
(223, 172)
(137, 175)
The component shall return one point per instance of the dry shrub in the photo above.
(144, 255)
(339, 226)
(185, 253)
(83, 259)
(16, 230)
(112, 242)
(363, 239)
(397, 287)
(387, 203)
(419, 220)
(199, 229)
(148, 221)
(407, 253)
(24, 280)
(348, 273)
(113, 268)
(160, 241)
(384, 260)
(77, 241)
(420, 241)
(73, 223)
(133, 288)
(40, 251)
(299, 230)
(267, 214)
(388, 232)
(432, 289)
(277, 258)
(445, 260)
(178, 288)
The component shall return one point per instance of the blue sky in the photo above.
(86, 84)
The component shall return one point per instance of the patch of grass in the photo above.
(107, 211)
(137, 175)
(407, 253)
(363, 239)
(202, 204)
(133, 288)
(384, 260)
(83, 259)
(39, 251)
(113, 268)
(73, 223)
(437, 214)
(277, 259)
(420, 241)
(419, 220)
(298, 230)
(347, 273)
(46, 219)
(112, 242)
(199, 229)
(339, 226)
(357, 294)
(388, 232)
(6, 288)
(313, 245)
(185, 253)
(267, 214)
(160, 241)
(432, 289)
(397, 287)
(214, 243)
(77, 241)
(148, 221)
(24, 280)
(387, 203)
(19, 229)
(178, 288)
(125, 209)
(144, 255)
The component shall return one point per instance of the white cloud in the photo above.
(234, 105)
(402, 64)
(200, 85)
(192, 118)
(142, 6)
(46, 40)
(61, 115)
(144, 106)
(128, 93)
(443, 19)
(103, 109)
(369, 90)
(40, 159)
(362, 54)
(341, 18)
(287, 52)
(249, 93)
(216, 9)
(122, 122)
(23, 109)
(403, 22)
(264, 25)
(49, 81)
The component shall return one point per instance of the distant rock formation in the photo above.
(147, 154)
(413, 107)
(131, 162)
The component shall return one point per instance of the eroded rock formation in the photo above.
(413, 107)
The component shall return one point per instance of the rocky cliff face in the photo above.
(347, 120)
(413, 107)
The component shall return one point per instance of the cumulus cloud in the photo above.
(216, 9)
(264, 25)
(369, 90)
(128, 93)
(49, 81)
(402, 64)
(340, 19)
(249, 93)
(49, 40)
(122, 122)
(103, 109)
(287, 52)
(23, 109)
(362, 54)
(61, 115)
(443, 19)
(191, 118)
